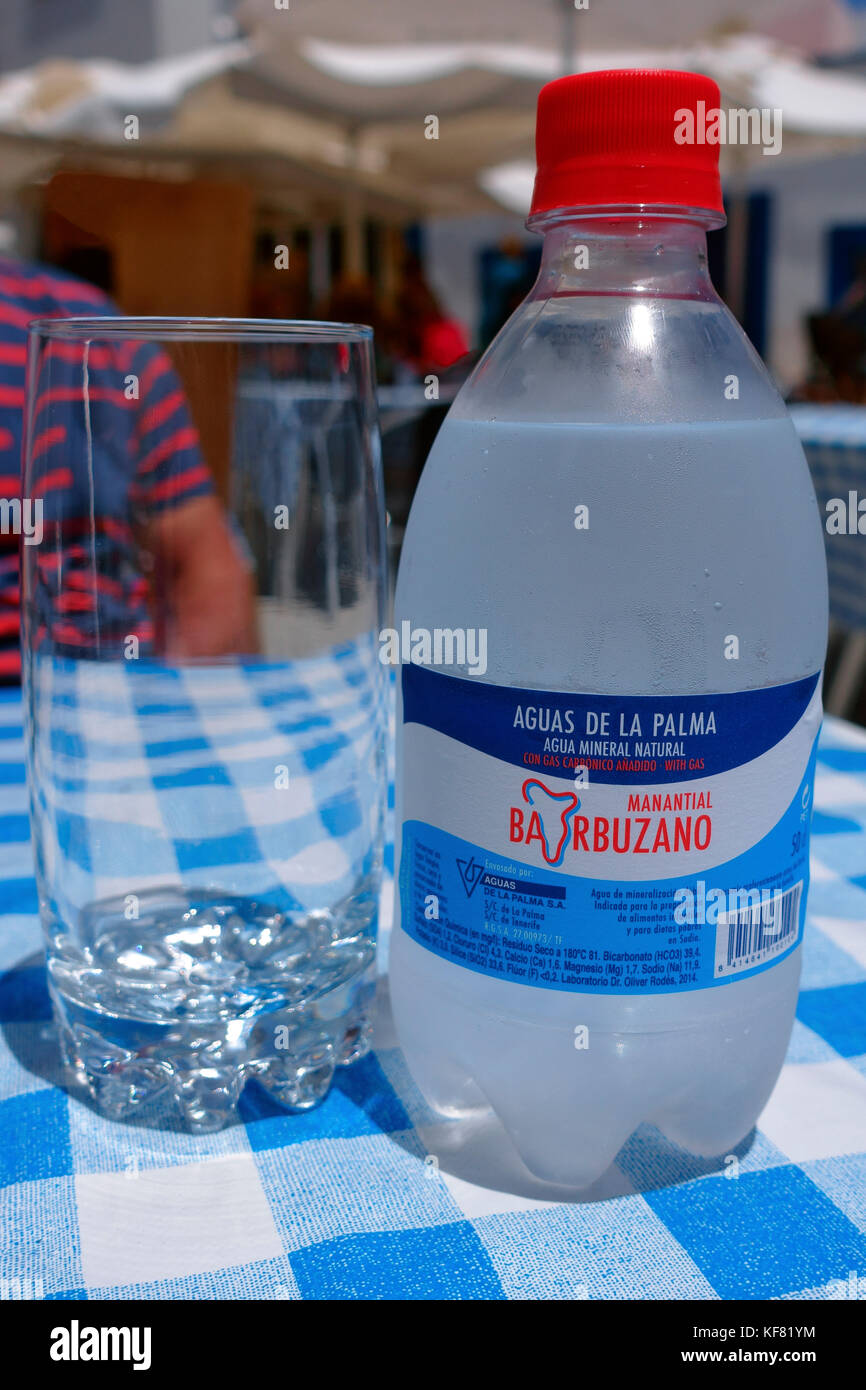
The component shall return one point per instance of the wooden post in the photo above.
(177, 248)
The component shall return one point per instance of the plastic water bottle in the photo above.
(612, 598)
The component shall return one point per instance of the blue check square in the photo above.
(36, 1145)
(837, 1015)
(762, 1235)
(445, 1262)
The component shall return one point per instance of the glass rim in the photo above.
(202, 328)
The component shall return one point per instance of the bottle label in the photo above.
(606, 844)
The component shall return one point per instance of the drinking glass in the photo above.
(202, 594)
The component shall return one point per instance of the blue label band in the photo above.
(619, 739)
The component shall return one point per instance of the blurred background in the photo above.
(373, 163)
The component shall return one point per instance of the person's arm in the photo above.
(204, 581)
(203, 589)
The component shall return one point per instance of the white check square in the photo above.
(817, 1110)
(169, 1222)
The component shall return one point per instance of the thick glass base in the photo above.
(176, 1010)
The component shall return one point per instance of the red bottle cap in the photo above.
(606, 138)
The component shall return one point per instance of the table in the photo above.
(369, 1197)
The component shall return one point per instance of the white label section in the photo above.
(469, 794)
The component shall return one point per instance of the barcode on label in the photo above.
(758, 932)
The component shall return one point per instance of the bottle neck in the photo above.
(623, 253)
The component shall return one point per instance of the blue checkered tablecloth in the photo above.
(369, 1196)
(834, 439)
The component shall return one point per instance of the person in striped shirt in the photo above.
(142, 547)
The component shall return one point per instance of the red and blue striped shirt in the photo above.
(97, 466)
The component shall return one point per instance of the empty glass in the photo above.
(201, 601)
